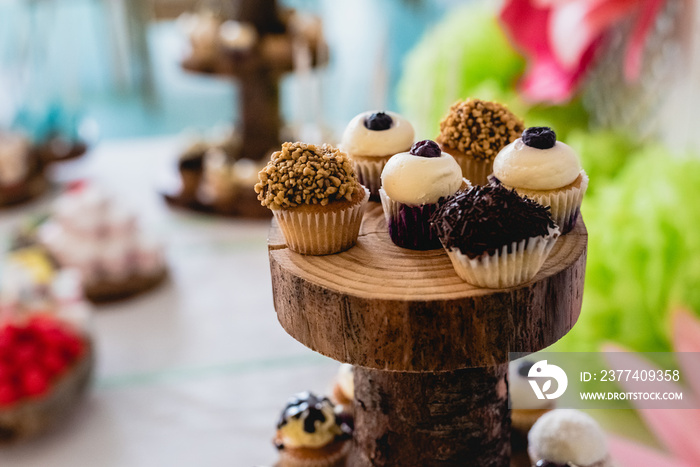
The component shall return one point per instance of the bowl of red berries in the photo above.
(45, 369)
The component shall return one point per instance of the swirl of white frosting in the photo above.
(521, 166)
(567, 435)
(521, 394)
(416, 180)
(359, 140)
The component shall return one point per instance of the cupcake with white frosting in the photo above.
(370, 139)
(413, 184)
(545, 170)
(567, 437)
(311, 434)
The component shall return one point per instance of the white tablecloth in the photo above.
(196, 372)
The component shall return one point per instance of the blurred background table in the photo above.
(196, 372)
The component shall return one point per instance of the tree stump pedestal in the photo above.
(431, 351)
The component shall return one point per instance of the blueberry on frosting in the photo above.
(426, 148)
(540, 137)
(309, 421)
(378, 121)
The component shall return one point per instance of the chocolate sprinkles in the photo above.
(485, 218)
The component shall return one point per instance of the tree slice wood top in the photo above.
(381, 306)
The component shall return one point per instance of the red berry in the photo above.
(35, 381)
(73, 348)
(7, 372)
(8, 394)
(54, 363)
(26, 354)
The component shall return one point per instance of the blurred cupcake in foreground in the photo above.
(545, 170)
(413, 185)
(494, 237)
(567, 437)
(370, 139)
(310, 434)
(315, 197)
(526, 408)
(474, 131)
(344, 388)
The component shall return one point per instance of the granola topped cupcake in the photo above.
(414, 183)
(309, 433)
(315, 197)
(494, 237)
(546, 170)
(474, 131)
(370, 139)
(567, 437)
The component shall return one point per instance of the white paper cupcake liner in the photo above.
(503, 269)
(476, 171)
(369, 172)
(409, 226)
(322, 233)
(564, 204)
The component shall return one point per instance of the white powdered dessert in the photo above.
(566, 437)
(370, 139)
(545, 170)
(413, 184)
(526, 408)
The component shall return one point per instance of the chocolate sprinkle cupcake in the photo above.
(486, 218)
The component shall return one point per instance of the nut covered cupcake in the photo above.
(494, 237)
(546, 170)
(310, 434)
(370, 139)
(315, 197)
(474, 131)
(413, 184)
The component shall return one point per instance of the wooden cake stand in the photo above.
(431, 351)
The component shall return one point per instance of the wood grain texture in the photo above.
(381, 306)
(426, 419)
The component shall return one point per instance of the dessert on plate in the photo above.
(311, 434)
(565, 438)
(545, 170)
(91, 233)
(474, 131)
(494, 237)
(315, 197)
(370, 139)
(414, 185)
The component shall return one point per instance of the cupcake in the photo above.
(315, 197)
(474, 131)
(567, 437)
(370, 139)
(344, 388)
(494, 237)
(309, 434)
(413, 185)
(526, 408)
(546, 170)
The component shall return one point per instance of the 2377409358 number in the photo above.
(639, 375)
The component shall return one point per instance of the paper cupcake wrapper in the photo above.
(369, 173)
(290, 458)
(409, 226)
(503, 269)
(321, 233)
(564, 204)
(476, 171)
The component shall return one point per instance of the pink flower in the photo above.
(560, 38)
(676, 430)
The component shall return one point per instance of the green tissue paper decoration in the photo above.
(643, 254)
(468, 55)
(465, 52)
